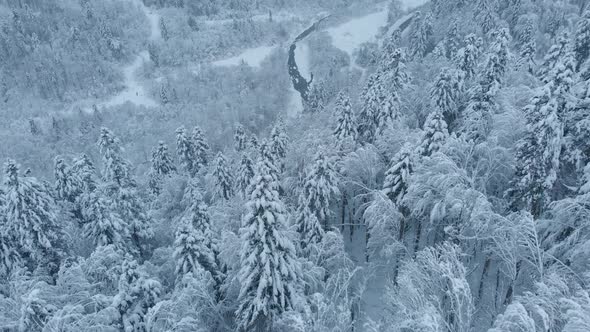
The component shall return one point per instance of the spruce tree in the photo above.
(452, 41)
(222, 178)
(136, 295)
(196, 233)
(370, 104)
(435, 134)
(120, 188)
(84, 171)
(420, 41)
(445, 93)
(538, 154)
(582, 39)
(116, 170)
(278, 143)
(162, 166)
(245, 174)
(496, 63)
(397, 176)
(553, 57)
(31, 218)
(185, 151)
(528, 44)
(467, 56)
(240, 139)
(201, 149)
(67, 186)
(345, 121)
(269, 271)
(102, 225)
(162, 163)
(319, 185)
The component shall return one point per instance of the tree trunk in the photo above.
(418, 236)
(484, 273)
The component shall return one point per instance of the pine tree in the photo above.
(278, 143)
(83, 169)
(31, 217)
(201, 149)
(467, 56)
(319, 185)
(268, 158)
(445, 93)
(582, 39)
(162, 166)
(185, 151)
(398, 175)
(316, 98)
(116, 170)
(345, 121)
(245, 174)
(528, 44)
(136, 295)
(269, 271)
(371, 103)
(121, 191)
(420, 41)
(452, 41)
(477, 121)
(67, 187)
(496, 63)
(162, 163)
(435, 134)
(222, 177)
(553, 57)
(101, 224)
(195, 240)
(538, 154)
(240, 140)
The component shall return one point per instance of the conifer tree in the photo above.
(553, 57)
(452, 41)
(30, 217)
(345, 121)
(116, 170)
(435, 134)
(185, 151)
(467, 56)
(582, 39)
(420, 41)
(445, 92)
(85, 172)
(371, 102)
(67, 187)
(196, 234)
(398, 175)
(496, 63)
(201, 149)
(136, 295)
(222, 177)
(278, 142)
(240, 139)
(101, 224)
(162, 166)
(245, 174)
(269, 271)
(538, 154)
(120, 189)
(319, 185)
(528, 44)
(162, 163)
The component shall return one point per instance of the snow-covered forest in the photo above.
(293, 166)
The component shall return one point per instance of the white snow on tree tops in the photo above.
(253, 57)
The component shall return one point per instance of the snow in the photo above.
(350, 35)
(411, 4)
(134, 91)
(253, 57)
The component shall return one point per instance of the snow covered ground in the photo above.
(350, 35)
(253, 57)
(134, 91)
